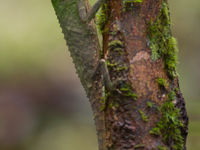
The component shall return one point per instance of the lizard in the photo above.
(79, 31)
(80, 34)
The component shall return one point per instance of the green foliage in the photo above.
(144, 116)
(162, 44)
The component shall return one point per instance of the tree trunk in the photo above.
(146, 109)
(149, 113)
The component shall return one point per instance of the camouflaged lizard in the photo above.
(81, 36)
(82, 40)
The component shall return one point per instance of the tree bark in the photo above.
(157, 118)
(146, 109)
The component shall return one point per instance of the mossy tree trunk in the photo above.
(146, 109)
(149, 113)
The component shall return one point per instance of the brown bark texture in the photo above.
(145, 110)
(142, 114)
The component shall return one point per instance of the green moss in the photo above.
(132, 95)
(127, 4)
(155, 131)
(160, 147)
(162, 44)
(150, 104)
(171, 57)
(109, 64)
(169, 125)
(116, 105)
(154, 50)
(121, 68)
(102, 17)
(115, 44)
(171, 95)
(111, 105)
(118, 49)
(162, 82)
(176, 90)
(126, 90)
(144, 117)
(133, 1)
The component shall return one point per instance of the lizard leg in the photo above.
(87, 17)
(102, 67)
(106, 76)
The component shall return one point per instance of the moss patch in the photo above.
(122, 68)
(150, 104)
(102, 17)
(110, 64)
(128, 4)
(155, 131)
(115, 44)
(133, 1)
(162, 44)
(162, 147)
(171, 96)
(169, 125)
(144, 116)
(162, 82)
(126, 90)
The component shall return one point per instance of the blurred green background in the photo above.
(42, 104)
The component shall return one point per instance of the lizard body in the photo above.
(81, 36)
